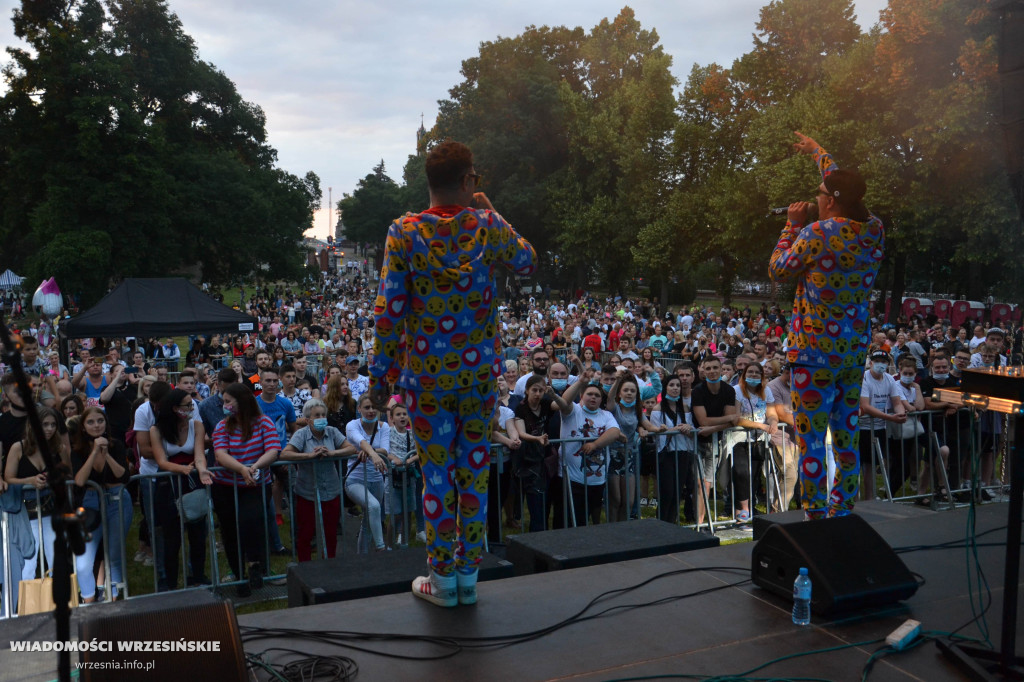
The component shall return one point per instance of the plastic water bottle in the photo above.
(802, 599)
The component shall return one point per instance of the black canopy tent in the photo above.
(154, 307)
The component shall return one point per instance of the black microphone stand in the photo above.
(67, 523)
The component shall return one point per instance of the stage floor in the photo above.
(724, 632)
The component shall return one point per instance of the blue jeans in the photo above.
(113, 531)
(370, 496)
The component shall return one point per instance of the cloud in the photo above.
(343, 84)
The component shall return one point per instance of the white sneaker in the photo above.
(643, 501)
(436, 589)
(422, 536)
(467, 587)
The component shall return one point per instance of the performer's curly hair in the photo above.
(447, 164)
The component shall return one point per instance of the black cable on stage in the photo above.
(951, 544)
(343, 668)
(450, 646)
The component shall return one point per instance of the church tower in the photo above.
(421, 138)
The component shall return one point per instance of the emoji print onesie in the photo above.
(436, 327)
(834, 263)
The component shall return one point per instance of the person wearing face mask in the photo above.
(990, 423)
(365, 481)
(904, 449)
(627, 409)
(880, 403)
(758, 417)
(675, 447)
(316, 480)
(951, 425)
(178, 442)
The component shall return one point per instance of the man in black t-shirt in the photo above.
(952, 425)
(714, 409)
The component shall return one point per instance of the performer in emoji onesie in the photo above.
(437, 336)
(834, 261)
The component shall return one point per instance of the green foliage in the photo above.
(113, 126)
(371, 208)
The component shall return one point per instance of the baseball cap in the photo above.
(352, 359)
(846, 185)
(995, 330)
(880, 355)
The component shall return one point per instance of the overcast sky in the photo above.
(343, 83)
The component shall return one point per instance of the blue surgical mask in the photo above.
(370, 421)
(940, 377)
(712, 381)
(320, 423)
(632, 403)
(589, 411)
(753, 382)
(559, 384)
(879, 367)
(906, 380)
(607, 387)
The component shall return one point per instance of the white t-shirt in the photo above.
(678, 441)
(145, 418)
(579, 424)
(975, 342)
(879, 392)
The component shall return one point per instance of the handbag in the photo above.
(36, 595)
(911, 428)
(195, 503)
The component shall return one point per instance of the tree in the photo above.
(113, 126)
(371, 208)
(619, 126)
(510, 112)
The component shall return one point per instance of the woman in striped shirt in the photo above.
(244, 443)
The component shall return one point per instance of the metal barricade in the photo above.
(939, 457)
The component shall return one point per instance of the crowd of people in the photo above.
(606, 406)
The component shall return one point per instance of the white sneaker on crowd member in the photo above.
(422, 536)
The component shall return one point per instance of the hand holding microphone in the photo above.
(810, 217)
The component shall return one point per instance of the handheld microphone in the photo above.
(812, 212)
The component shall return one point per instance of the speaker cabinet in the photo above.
(851, 567)
(159, 623)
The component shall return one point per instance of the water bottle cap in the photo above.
(803, 571)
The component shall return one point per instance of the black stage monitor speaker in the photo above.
(605, 543)
(159, 626)
(851, 567)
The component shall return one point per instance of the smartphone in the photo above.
(132, 370)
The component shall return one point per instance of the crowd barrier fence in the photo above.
(551, 501)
